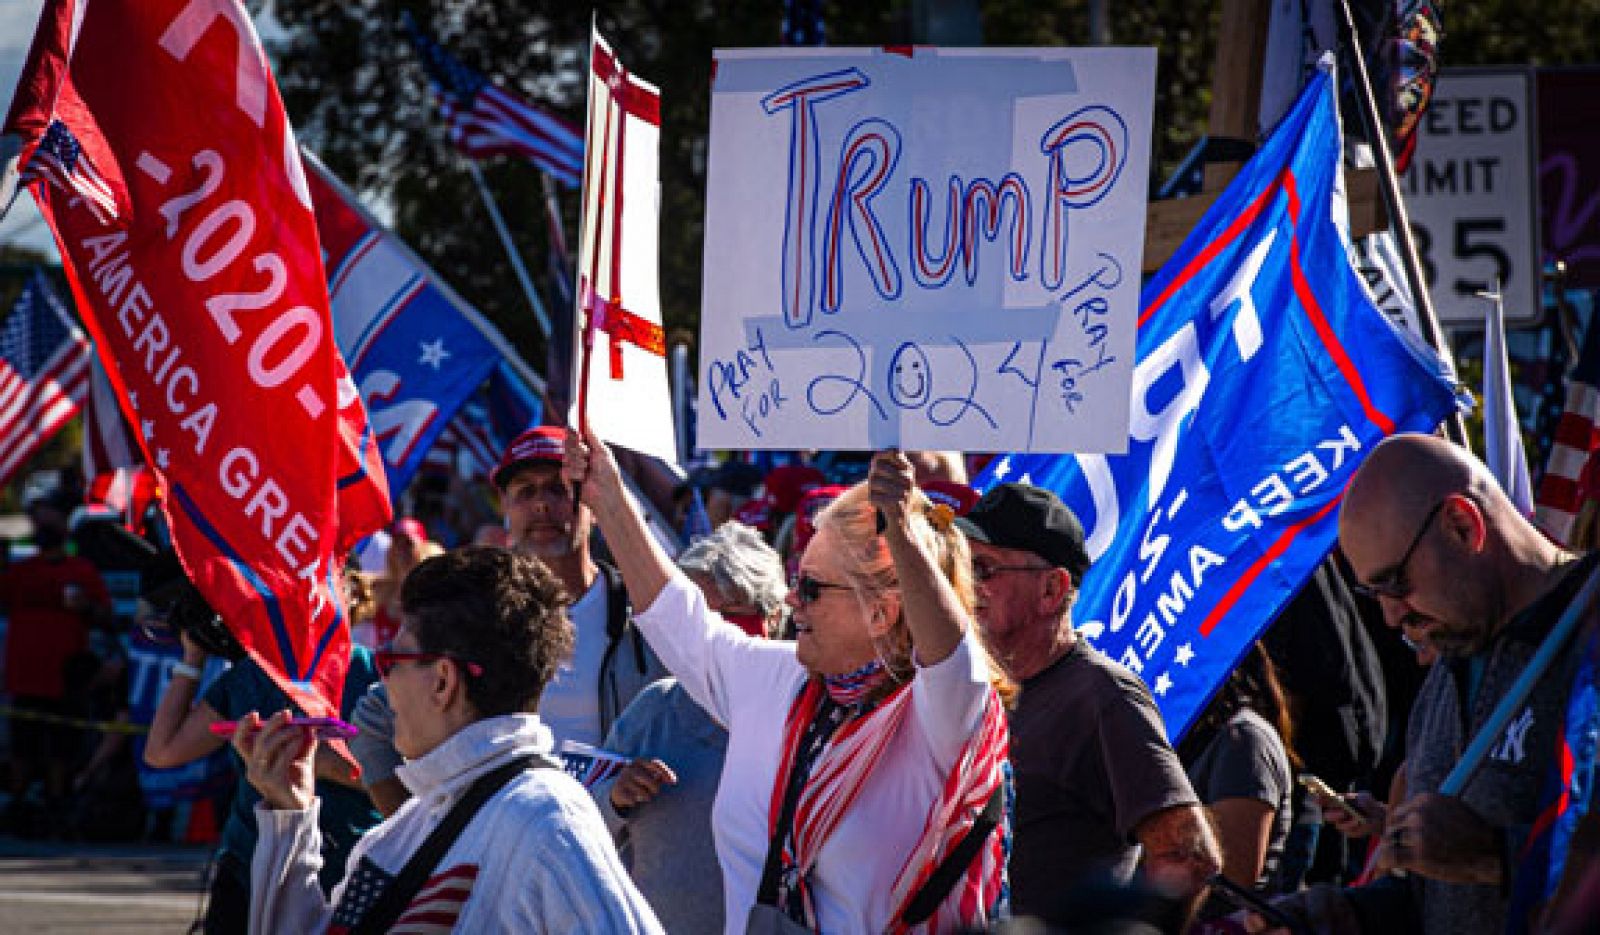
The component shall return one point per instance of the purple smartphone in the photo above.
(326, 728)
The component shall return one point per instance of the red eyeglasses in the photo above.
(387, 659)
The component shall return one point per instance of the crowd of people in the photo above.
(856, 701)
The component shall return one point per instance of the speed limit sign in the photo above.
(1472, 192)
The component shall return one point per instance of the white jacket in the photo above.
(536, 857)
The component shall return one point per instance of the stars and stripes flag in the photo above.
(486, 120)
(590, 765)
(60, 161)
(44, 373)
(108, 445)
(1577, 438)
(433, 911)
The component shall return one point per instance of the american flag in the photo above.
(59, 160)
(1577, 438)
(485, 120)
(468, 432)
(433, 911)
(44, 373)
(590, 765)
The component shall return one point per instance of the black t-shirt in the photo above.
(1091, 760)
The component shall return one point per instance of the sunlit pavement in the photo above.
(104, 889)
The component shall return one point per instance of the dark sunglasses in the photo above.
(1393, 584)
(386, 659)
(983, 571)
(807, 590)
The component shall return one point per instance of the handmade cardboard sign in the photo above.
(923, 248)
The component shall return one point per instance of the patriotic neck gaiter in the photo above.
(853, 687)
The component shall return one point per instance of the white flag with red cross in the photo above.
(622, 391)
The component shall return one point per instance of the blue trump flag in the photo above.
(415, 349)
(1264, 375)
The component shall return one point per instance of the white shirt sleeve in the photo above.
(715, 660)
(948, 698)
(284, 894)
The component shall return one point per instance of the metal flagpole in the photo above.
(1399, 219)
(511, 250)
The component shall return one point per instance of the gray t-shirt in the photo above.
(666, 843)
(1091, 761)
(1246, 759)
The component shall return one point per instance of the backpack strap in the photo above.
(619, 625)
(955, 864)
(394, 899)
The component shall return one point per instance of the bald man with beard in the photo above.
(1454, 566)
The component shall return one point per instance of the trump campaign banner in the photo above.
(624, 394)
(185, 226)
(417, 350)
(923, 248)
(1264, 375)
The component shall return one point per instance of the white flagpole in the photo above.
(511, 250)
(1502, 436)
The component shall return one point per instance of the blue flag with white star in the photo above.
(1264, 375)
(415, 349)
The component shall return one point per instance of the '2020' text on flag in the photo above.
(205, 296)
(1264, 375)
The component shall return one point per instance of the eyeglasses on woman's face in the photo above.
(808, 590)
(387, 658)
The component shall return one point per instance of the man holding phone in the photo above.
(1457, 568)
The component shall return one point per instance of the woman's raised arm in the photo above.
(644, 565)
(933, 610)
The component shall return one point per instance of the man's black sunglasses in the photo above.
(1394, 583)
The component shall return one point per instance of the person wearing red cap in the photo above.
(610, 661)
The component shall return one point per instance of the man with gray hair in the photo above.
(660, 814)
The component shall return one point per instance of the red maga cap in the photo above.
(546, 443)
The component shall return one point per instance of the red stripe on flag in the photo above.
(1259, 565)
(1223, 241)
(635, 99)
(1330, 341)
(1575, 431)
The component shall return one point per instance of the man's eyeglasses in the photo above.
(807, 590)
(1393, 584)
(983, 571)
(386, 659)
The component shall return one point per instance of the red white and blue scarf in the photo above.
(840, 771)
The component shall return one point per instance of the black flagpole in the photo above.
(1399, 220)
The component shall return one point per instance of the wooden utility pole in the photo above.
(1234, 123)
(1235, 117)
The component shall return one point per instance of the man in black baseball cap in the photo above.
(1095, 774)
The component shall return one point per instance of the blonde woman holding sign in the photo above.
(870, 803)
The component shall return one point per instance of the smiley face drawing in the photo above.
(910, 380)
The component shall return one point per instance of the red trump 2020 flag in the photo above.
(195, 261)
